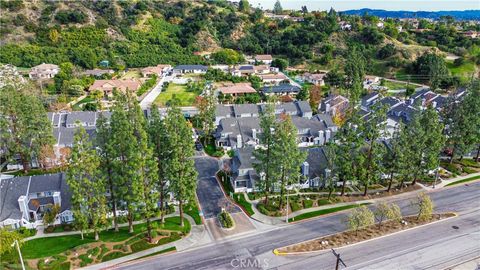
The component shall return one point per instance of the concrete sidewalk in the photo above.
(198, 236)
(445, 182)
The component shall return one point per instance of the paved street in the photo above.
(153, 94)
(414, 244)
(209, 192)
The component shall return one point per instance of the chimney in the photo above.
(57, 199)
(239, 141)
(327, 135)
(305, 168)
(23, 205)
(321, 137)
(434, 104)
(254, 133)
(327, 107)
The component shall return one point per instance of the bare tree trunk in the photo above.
(453, 154)
(96, 235)
(401, 183)
(149, 230)
(390, 183)
(181, 212)
(477, 158)
(162, 205)
(81, 234)
(330, 194)
(130, 221)
(25, 163)
(282, 190)
(365, 190)
(344, 184)
(112, 198)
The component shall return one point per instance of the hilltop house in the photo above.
(26, 198)
(236, 89)
(264, 58)
(197, 69)
(158, 70)
(281, 90)
(316, 78)
(43, 71)
(333, 105)
(107, 86)
(273, 78)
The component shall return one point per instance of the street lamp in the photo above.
(19, 252)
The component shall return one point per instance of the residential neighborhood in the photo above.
(237, 134)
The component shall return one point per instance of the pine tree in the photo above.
(264, 153)
(105, 146)
(355, 75)
(433, 140)
(277, 8)
(126, 165)
(373, 151)
(87, 185)
(286, 155)
(180, 170)
(161, 151)
(206, 107)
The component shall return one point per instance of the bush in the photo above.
(468, 170)
(295, 206)
(94, 251)
(225, 220)
(470, 163)
(450, 167)
(113, 255)
(307, 203)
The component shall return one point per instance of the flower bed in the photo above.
(351, 237)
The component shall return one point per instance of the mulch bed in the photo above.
(351, 237)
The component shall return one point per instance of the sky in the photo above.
(339, 5)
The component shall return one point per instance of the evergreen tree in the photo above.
(87, 185)
(161, 151)
(286, 155)
(277, 8)
(106, 151)
(243, 6)
(126, 165)
(433, 140)
(24, 127)
(206, 107)
(180, 170)
(355, 75)
(264, 154)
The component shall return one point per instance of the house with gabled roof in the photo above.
(25, 199)
(43, 71)
(107, 86)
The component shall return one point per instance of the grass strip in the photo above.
(324, 212)
(464, 180)
(240, 199)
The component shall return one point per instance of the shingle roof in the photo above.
(10, 190)
(281, 88)
(191, 67)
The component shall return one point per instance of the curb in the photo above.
(278, 253)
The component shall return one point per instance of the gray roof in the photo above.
(82, 117)
(389, 102)
(191, 67)
(239, 109)
(304, 106)
(11, 189)
(243, 159)
(281, 88)
(246, 67)
(223, 110)
(317, 161)
(420, 92)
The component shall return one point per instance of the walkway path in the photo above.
(197, 237)
(445, 182)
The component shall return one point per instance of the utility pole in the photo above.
(19, 253)
(338, 260)
(287, 208)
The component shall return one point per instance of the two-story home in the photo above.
(333, 105)
(25, 199)
(43, 71)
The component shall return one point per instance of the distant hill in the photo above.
(459, 15)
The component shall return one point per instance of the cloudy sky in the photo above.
(411, 5)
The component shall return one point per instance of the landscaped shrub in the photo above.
(225, 220)
(55, 262)
(140, 245)
(307, 203)
(174, 236)
(85, 260)
(113, 255)
(94, 251)
(450, 167)
(468, 170)
(470, 163)
(295, 206)
(118, 246)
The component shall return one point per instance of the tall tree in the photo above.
(161, 151)
(277, 7)
(264, 153)
(243, 6)
(105, 146)
(24, 126)
(206, 106)
(180, 170)
(355, 74)
(86, 184)
(286, 155)
(373, 150)
(126, 164)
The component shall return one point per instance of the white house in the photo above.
(43, 71)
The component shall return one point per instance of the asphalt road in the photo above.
(420, 248)
(209, 193)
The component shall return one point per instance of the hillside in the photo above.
(458, 15)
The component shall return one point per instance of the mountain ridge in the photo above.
(457, 14)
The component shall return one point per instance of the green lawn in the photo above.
(394, 85)
(240, 199)
(464, 70)
(49, 246)
(192, 210)
(324, 212)
(464, 180)
(132, 74)
(177, 91)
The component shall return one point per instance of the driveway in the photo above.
(153, 94)
(209, 193)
